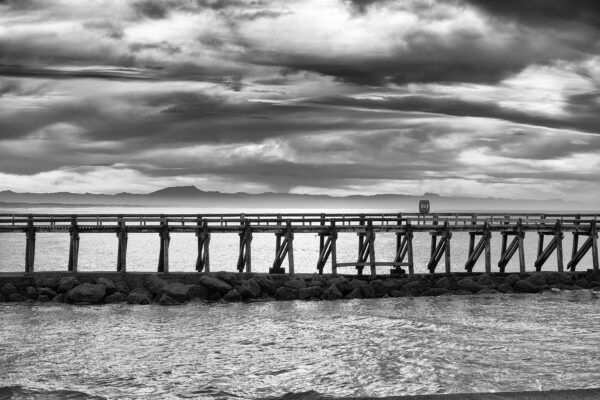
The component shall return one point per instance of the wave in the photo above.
(19, 392)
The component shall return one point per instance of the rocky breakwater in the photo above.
(174, 289)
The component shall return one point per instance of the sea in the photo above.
(292, 349)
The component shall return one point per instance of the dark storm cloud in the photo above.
(153, 9)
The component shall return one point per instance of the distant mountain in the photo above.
(191, 196)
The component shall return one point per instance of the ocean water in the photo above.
(98, 252)
(374, 347)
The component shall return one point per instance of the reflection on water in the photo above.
(376, 347)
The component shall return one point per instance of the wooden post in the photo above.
(334, 236)
(73, 245)
(488, 250)
(575, 237)
(594, 235)
(448, 236)
(122, 249)
(361, 245)
(203, 260)
(29, 246)
(165, 238)
(521, 235)
(290, 246)
(245, 254)
(371, 239)
(559, 247)
(409, 238)
(434, 237)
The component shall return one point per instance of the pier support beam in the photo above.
(328, 248)
(555, 244)
(165, 239)
(122, 249)
(29, 246)
(203, 260)
(506, 253)
(404, 249)
(366, 249)
(245, 253)
(73, 245)
(283, 249)
(590, 243)
(442, 248)
(476, 251)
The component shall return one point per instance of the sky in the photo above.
(456, 97)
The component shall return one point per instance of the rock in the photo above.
(232, 295)
(86, 293)
(16, 298)
(297, 283)
(512, 279)
(46, 291)
(317, 280)
(32, 292)
(166, 300)
(266, 284)
(487, 290)
(177, 291)
(231, 278)
(505, 288)
(443, 283)
(558, 278)
(358, 283)
(565, 287)
(332, 293)
(414, 288)
(67, 283)
(435, 292)
(462, 292)
(537, 279)
(249, 289)
(378, 287)
(583, 283)
(7, 289)
(198, 292)
(286, 293)
(116, 297)
(398, 293)
(354, 294)
(43, 298)
(214, 296)
(214, 284)
(469, 285)
(311, 292)
(342, 284)
(59, 298)
(49, 281)
(108, 284)
(122, 287)
(485, 280)
(154, 284)
(139, 296)
(390, 284)
(525, 286)
(367, 292)
(595, 284)
(2, 299)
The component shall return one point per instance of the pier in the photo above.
(512, 227)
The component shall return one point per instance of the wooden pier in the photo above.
(440, 226)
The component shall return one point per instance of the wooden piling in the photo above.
(521, 236)
(122, 247)
(165, 239)
(30, 246)
(73, 245)
(245, 249)
(203, 260)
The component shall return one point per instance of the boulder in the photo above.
(139, 296)
(214, 284)
(166, 300)
(512, 279)
(443, 283)
(154, 284)
(342, 284)
(354, 294)
(391, 284)
(108, 284)
(214, 296)
(378, 287)
(485, 279)
(367, 292)
(525, 286)
(487, 290)
(2, 299)
(7, 289)
(317, 280)
(122, 287)
(67, 283)
(332, 293)
(266, 284)
(583, 283)
(537, 279)
(43, 298)
(232, 278)
(297, 283)
(49, 281)
(505, 288)
(311, 292)
(399, 293)
(16, 298)
(566, 287)
(116, 297)
(556, 278)
(358, 283)
(435, 292)
(86, 293)
(249, 289)
(198, 292)
(46, 291)
(414, 288)
(232, 295)
(177, 291)
(32, 292)
(286, 293)
(469, 285)
(59, 298)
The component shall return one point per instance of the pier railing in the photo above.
(440, 226)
